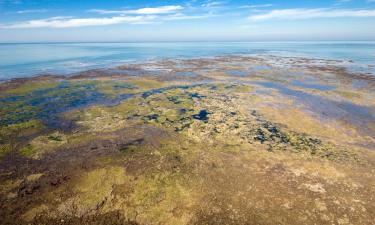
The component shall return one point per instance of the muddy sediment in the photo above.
(226, 140)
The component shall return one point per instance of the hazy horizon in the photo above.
(196, 41)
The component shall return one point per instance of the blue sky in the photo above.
(189, 20)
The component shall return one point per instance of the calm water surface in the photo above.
(22, 60)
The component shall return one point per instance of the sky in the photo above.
(186, 20)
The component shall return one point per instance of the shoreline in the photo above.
(340, 65)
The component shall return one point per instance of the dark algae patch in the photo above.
(242, 146)
(131, 145)
(202, 115)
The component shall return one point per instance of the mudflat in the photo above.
(222, 140)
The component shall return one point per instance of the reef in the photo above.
(225, 140)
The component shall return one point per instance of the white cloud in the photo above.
(212, 4)
(136, 16)
(179, 16)
(256, 6)
(105, 11)
(143, 11)
(139, 16)
(64, 22)
(158, 10)
(298, 14)
(32, 11)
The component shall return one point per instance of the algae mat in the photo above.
(225, 140)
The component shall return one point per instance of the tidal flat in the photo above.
(221, 140)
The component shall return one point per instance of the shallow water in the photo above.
(22, 60)
(317, 86)
(237, 73)
(326, 109)
(48, 103)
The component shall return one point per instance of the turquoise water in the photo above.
(23, 60)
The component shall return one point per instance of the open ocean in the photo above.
(30, 59)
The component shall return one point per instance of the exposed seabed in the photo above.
(224, 140)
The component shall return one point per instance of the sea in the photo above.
(32, 59)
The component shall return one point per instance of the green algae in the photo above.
(351, 95)
(146, 84)
(54, 137)
(162, 195)
(4, 149)
(12, 136)
(32, 86)
(156, 196)
(176, 109)
(111, 88)
(19, 129)
(131, 146)
(243, 88)
(165, 108)
(17, 112)
(116, 88)
(110, 189)
(43, 144)
(29, 151)
(94, 187)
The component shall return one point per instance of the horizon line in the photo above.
(192, 41)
